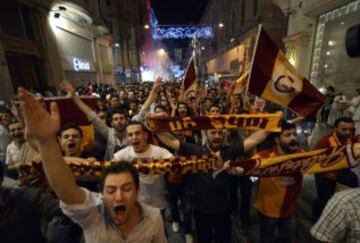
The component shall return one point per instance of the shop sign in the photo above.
(81, 65)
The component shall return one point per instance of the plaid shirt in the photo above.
(340, 220)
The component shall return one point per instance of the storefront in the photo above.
(330, 63)
(84, 48)
(232, 63)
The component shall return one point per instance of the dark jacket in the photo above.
(22, 211)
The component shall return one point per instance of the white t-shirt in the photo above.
(24, 154)
(152, 187)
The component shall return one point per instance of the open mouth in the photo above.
(71, 145)
(119, 209)
(216, 141)
(136, 143)
(293, 144)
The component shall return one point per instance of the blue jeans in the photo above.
(285, 228)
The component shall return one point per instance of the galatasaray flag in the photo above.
(275, 79)
(238, 85)
(190, 84)
(70, 113)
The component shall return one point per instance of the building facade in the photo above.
(235, 24)
(84, 42)
(43, 42)
(316, 41)
(127, 19)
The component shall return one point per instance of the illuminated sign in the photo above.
(205, 32)
(81, 65)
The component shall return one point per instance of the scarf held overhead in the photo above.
(316, 161)
(269, 122)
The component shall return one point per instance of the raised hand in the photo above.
(156, 88)
(41, 125)
(67, 87)
(173, 103)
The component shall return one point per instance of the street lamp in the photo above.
(161, 52)
(146, 26)
(221, 25)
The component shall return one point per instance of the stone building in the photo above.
(316, 41)
(43, 42)
(235, 24)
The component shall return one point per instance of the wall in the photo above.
(304, 51)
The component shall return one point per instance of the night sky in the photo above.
(178, 12)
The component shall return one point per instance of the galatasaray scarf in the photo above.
(316, 161)
(269, 122)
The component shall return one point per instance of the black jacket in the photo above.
(22, 211)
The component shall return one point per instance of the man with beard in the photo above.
(18, 151)
(114, 135)
(326, 182)
(152, 186)
(114, 216)
(211, 196)
(276, 196)
(5, 137)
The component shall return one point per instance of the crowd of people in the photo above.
(127, 206)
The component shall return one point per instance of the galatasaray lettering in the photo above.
(187, 123)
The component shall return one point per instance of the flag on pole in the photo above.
(70, 113)
(275, 79)
(190, 84)
(239, 84)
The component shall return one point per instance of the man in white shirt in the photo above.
(152, 187)
(5, 137)
(113, 216)
(18, 151)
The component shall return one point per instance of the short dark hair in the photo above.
(160, 107)
(138, 123)
(217, 105)
(343, 119)
(4, 109)
(118, 109)
(347, 178)
(68, 126)
(120, 167)
(285, 125)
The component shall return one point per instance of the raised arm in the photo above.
(169, 140)
(69, 89)
(152, 95)
(99, 124)
(150, 99)
(254, 139)
(43, 127)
